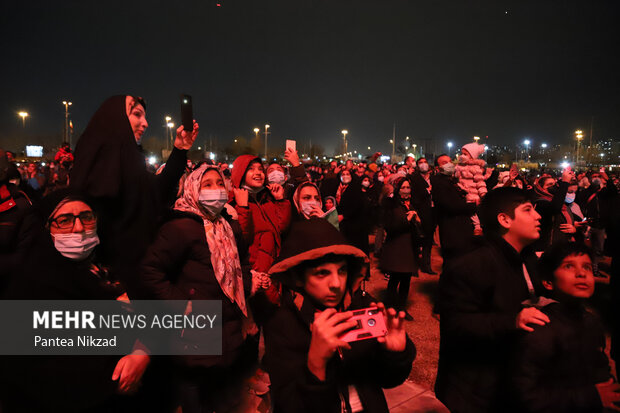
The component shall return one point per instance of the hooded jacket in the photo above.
(263, 221)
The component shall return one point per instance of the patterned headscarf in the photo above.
(220, 237)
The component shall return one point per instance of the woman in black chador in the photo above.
(110, 167)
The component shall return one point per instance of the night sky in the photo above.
(440, 69)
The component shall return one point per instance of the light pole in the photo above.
(168, 119)
(527, 148)
(393, 142)
(476, 139)
(579, 136)
(23, 115)
(66, 134)
(266, 133)
(414, 146)
(170, 126)
(344, 139)
(449, 149)
(256, 130)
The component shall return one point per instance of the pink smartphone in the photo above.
(370, 324)
(290, 144)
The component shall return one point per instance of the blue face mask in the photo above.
(570, 198)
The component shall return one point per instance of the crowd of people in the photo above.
(285, 248)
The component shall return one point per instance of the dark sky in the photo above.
(446, 70)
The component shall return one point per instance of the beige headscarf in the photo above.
(220, 237)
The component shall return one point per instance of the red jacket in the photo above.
(263, 221)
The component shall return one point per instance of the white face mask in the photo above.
(381, 178)
(76, 246)
(308, 206)
(365, 184)
(570, 198)
(276, 177)
(345, 179)
(448, 169)
(213, 200)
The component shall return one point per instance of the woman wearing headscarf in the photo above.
(196, 256)
(307, 201)
(61, 266)
(110, 167)
(399, 255)
(351, 208)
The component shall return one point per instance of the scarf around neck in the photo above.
(220, 238)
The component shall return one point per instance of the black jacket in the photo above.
(367, 365)
(480, 296)
(422, 200)
(400, 248)
(456, 230)
(549, 210)
(177, 266)
(557, 365)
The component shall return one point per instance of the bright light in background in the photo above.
(564, 165)
(449, 144)
(526, 142)
(42, 163)
(230, 165)
(384, 158)
(152, 160)
(212, 156)
(170, 125)
(486, 148)
(544, 145)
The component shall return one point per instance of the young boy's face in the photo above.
(526, 223)
(573, 278)
(326, 283)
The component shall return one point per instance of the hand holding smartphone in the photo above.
(187, 113)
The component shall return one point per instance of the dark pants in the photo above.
(427, 247)
(398, 289)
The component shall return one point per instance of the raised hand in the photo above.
(184, 139)
(241, 196)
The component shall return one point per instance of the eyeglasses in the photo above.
(67, 221)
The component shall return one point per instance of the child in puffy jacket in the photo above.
(471, 176)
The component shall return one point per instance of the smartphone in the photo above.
(370, 324)
(290, 144)
(187, 113)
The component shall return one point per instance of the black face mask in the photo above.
(552, 190)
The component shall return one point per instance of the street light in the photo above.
(170, 126)
(66, 134)
(23, 115)
(344, 140)
(449, 148)
(476, 139)
(266, 133)
(256, 130)
(414, 150)
(579, 136)
(168, 119)
(527, 148)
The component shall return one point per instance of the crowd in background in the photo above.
(285, 247)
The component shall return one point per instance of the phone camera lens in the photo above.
(371, 322)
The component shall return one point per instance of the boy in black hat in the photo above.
(311, 368)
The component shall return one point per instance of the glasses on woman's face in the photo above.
(67, 221)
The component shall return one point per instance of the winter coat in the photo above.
(400, 248)
(177, 266)
(354, 224)
(549, 209)
(558, 364)
(480, 295)
(471, 176)
(16, 231)
(456, 230)
(423, 203)
(366, 365)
